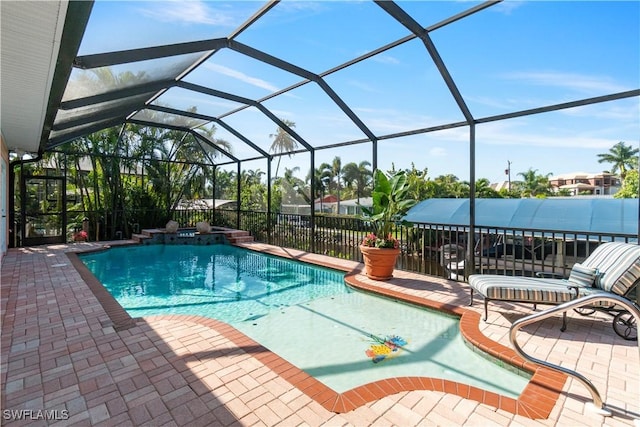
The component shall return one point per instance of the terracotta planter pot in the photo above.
(379, 263)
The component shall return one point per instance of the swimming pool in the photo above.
(222, 282)
(304, 313)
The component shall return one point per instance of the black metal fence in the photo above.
(433, 249)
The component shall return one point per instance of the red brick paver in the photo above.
(69, 351)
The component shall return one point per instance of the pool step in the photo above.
(145, 234)
(140, 238)
(241, 239)
(238, 236)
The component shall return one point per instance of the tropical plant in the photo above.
(629, 188)
(622, 156)
(293, 189)
(282, 142)
(358, 176)
(391, 202)
(534, 185)
(484, 190)
(225, 184)
(418, 182)
(334, 172)
(134, 160)
(563, 192)
(447, 186)
(253, 194)
(320, 184)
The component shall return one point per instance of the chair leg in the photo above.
(486, 309)
(471, 299)
(564, 321)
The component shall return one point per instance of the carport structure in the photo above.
(147, 82)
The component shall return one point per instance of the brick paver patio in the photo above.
(71, 358)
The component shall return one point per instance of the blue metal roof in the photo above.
(594, 215)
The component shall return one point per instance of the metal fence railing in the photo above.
(433, 249)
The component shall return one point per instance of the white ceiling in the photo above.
(31, 34)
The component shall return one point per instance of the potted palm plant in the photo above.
(391, 202)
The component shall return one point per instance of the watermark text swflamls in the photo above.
(35, 414)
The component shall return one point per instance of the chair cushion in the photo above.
(618, 265)
(583, 276)
(583, 292)
(522, 289)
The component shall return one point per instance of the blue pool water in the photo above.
(304, 313)
(222, 282)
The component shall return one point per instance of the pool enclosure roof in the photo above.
(65, 75)
(572, 215)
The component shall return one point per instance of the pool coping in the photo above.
(535, 402)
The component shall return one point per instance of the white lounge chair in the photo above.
(612, 267)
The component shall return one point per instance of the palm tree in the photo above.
(322, 180)
(251, 177)
(225, 184)
(282, 142)
(253, 191)
(484, 190)
(137, 172)
(622, 157)
(291, 185)
(358, 174)
(176, 168)
(534, 184)
(334, 172)
(450, 186)
(289, 174)
(349, 178)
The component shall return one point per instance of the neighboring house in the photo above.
(324, 204)
(329, 204)
(598, 184)
(351, 207)
(504, 185)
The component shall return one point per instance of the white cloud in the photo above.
(619, 113)
(384, 121)
(385, 59)
(191, 12)
(235, 74)
(437, 152)
(300, 6)
(385, 125)
(575, 81)
(363, 86)
(516, 134)
(520, 133)
(586, 85)
(506, 104)
(506, 7)
(284, 114)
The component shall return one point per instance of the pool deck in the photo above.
(68, 349)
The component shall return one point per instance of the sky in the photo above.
(514, 56)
